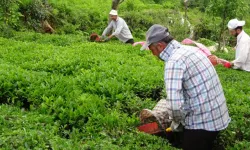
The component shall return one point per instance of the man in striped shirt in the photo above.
(194, 93)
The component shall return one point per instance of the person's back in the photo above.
(124, 34)
(204, 99)
(194, 93)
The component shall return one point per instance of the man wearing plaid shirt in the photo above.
(194, 93)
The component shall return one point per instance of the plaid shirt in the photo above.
(194, 93)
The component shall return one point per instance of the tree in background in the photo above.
(226, 10)
(33, 13)
(200, 4)
(9, 17)
(186, 7)
(115, 4)
(37, 14)
(9, 14)
(203, 5)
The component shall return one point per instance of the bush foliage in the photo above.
(89, 95)
(58, 91)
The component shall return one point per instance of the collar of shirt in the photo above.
(167, 52)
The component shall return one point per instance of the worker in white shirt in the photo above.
(242, 57)
(122, 31)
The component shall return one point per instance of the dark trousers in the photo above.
(198, 139)
(130, 41)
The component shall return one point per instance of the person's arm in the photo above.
(120, 25)
(107, 29)
(109, 37)
(243, 49)
(174, 76)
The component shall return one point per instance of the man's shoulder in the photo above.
(184, 51)
(121, 20)
(186, 55)
(178, 57)
(246, 37)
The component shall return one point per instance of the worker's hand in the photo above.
(168, 130)
(232, 64)
(106, 39)
(103, 37)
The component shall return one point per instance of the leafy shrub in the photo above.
(35, 12)
(139, 22)
(6, 31)
(93, 92)
(30, 130)
(206, 29)
(9, 14)
(171, 4)
(206, 42)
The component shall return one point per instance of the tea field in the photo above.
(63, 92)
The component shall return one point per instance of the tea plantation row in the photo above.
(63, 92)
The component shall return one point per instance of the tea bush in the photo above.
(89, 95)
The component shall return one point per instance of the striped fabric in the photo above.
(194, 92)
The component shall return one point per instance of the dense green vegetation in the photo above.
(90, 92)
(89, 95)
(59, 91)
(84, 17)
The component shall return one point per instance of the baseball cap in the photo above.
(113, 12)
(154, 34)
(234, 23)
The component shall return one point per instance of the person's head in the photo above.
(235, 26)
(157, 39)
(113, 14)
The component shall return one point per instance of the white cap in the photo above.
(234, 23)
(113, 12)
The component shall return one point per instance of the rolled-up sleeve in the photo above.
(174, 75)
(107, 29)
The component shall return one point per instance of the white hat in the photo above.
(113, 12)
(234, 23)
